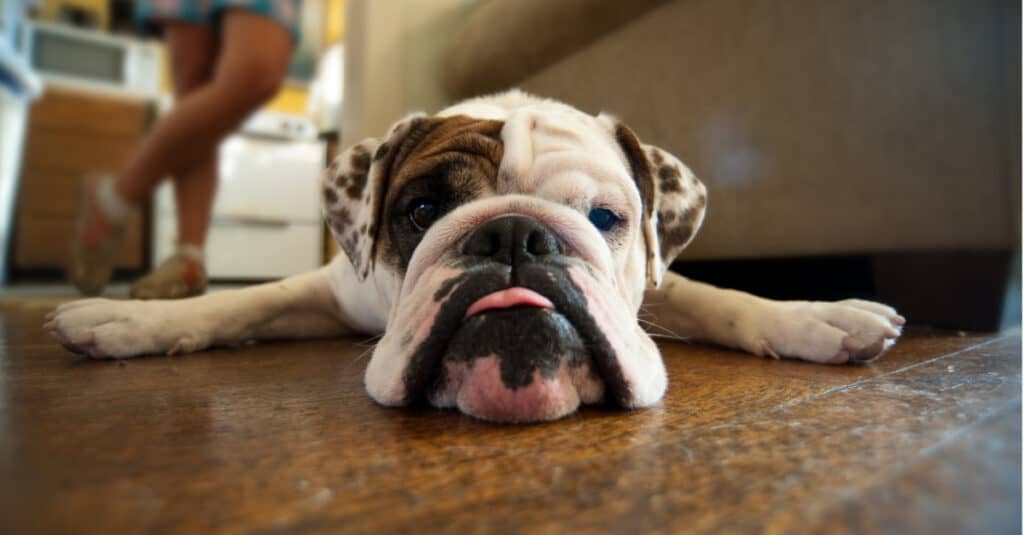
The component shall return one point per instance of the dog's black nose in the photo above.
(512, 240)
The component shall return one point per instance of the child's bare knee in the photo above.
(254, 84)
(264, 83)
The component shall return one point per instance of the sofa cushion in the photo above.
(505, 41)
(820, 128)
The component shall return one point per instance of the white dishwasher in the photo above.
(266, 217)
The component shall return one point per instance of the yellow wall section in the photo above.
(334, 26)
(293, 99)
(290, 100)
(49, 9)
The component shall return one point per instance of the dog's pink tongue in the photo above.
(512, 297)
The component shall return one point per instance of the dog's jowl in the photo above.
(505, 247)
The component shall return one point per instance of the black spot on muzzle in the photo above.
(524, 339)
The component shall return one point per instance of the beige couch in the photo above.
(821, 128)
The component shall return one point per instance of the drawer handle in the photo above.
(254, 220)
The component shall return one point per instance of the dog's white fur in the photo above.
(347, 298)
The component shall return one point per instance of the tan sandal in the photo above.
(96, 242)
(182, 275)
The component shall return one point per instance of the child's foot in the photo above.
(182, 275)
(98, 233)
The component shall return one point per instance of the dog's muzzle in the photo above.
(514, 340)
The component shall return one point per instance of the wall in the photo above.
(49, 9)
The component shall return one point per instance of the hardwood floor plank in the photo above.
(970, 469)
(282, 436)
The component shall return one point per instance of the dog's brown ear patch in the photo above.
(353, 190)
(673, 200)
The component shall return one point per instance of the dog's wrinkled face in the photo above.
(511, 239)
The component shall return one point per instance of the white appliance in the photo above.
(18, 87)
(266, 218)
(91, 60)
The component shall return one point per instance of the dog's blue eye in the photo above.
(603, 218)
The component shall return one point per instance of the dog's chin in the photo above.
(521, 364)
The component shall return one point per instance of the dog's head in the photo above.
(511, 240)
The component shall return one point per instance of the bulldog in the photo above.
(506, 248)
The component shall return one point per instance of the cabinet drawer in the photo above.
(268, 179)
(45, 243)
(76, 150)
(77, 111)
(247, 251)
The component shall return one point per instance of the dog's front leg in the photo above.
(296, 307)
(850, 330)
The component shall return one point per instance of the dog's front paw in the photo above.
(107, 328)
(853, 330)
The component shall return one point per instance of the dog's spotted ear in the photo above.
(354, 188)
(674, 200)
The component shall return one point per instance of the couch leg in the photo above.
(964, 290)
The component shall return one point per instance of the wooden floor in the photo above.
(282, 437)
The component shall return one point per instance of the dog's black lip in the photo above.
(529, 340)
(484, 278)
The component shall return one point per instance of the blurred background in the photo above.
(850, 148)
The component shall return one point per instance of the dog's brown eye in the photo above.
(422, 213)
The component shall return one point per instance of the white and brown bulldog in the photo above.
(504, 247)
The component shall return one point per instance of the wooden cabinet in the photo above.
(71, 133)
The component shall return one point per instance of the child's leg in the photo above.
(193, 54)
(194, 192)
(253, 60)
(184, 275)
(250, 66)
